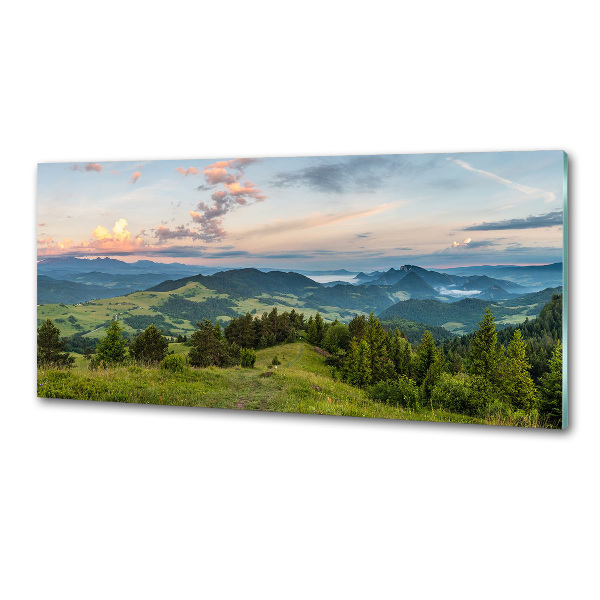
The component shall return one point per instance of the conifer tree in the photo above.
(320, 329)
(358, 326)
(485, 353)
(518, 386)
(311, 331)
(428, 366)
(358, 369)
(111, 349)
(149, 347)
(376, 338)
(400, 353)
(207, 349)
(551, 389)
(50, 347)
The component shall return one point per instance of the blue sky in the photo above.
(354, 212)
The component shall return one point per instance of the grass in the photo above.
(301, 384)
(91, 318)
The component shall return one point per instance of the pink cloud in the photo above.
(136, 176)
(93, 167)
(188, 171)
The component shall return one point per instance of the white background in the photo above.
(112, 501)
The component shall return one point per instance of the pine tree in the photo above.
(207, 349)
(358, 326)
(320, 329)
(311, 331)
(400, 353)
(50, 347)
(551, 385)
(358, 368)
(381, 366)
(428, 366)
(485, 353)
(149, 347)
(518, 386)
(111, 349)
(427, 356)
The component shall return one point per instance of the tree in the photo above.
(400, 353)
(209, 348)
(50, 347)
(358, 367)
(551, 385)
(337, 337)
(247, 358)
(111, 349)
(381, 367)
(428, 367)
(311, 331)
(518, 385)
(358, 326)
(485, 353)
(320, 328)
(149, 347)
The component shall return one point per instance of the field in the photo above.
(301, 384)
(90, 318)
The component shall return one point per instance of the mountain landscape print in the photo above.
(426, 287)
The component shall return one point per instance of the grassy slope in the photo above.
(301, 384)
(92, 317)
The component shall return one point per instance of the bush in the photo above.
(401, 392)
(173, 362)
(455, 393)
(247, 358)
(275, 361)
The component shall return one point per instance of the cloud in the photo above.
(468, 243)
(164, 233)
(551, 219)
(135, 176)
(119, 232)
(233, 193)
(88, 167)
(529, 191)
(318, 220)
(356, 173)
(186, 172)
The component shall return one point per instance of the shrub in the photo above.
(173, 362)
(275, 361)
(401, 392)
(247, 358)
(455, 393)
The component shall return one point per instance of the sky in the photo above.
(312, 213)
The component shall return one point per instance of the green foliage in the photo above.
(381, 367)
(211, 308)
(358, 365)
(149, 347)
(275, 361)
(485, 352)
(311, 331)
(551, 386)
(140, 322)
(264, 331)
(50, 347)
(209, 348)
(175, 363)
(401, 392)
(516, 381)
(336, 338)
(111, 349)
(414, 331)
(247, 358)
(455, 394)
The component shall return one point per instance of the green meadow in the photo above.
(302, 383)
